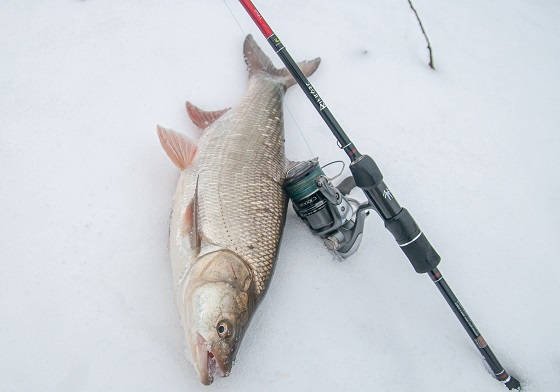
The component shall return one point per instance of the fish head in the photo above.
(219, 302)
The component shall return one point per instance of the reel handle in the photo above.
(398, 220)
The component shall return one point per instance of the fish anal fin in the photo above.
(202, 118)
(180, 150)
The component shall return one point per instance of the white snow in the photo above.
(472, 150)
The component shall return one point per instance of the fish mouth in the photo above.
(207, 363)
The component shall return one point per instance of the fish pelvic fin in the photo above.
(258, 62)
(179, 149)
(201, 118)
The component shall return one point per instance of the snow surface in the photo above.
(472, 150)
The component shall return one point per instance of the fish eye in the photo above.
(224, 329)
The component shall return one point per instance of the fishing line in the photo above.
(233, 16)
(285, 105)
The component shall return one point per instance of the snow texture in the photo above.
(472, 150)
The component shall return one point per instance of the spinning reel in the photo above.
(327, 210)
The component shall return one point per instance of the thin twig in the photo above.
(425, 35)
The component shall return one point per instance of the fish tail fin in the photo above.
(258, 62)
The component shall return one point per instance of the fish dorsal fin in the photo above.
(179, 149)
(202, 118)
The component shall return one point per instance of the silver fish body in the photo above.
(237, 177)
(228, 214)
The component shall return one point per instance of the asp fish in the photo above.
(228, 213)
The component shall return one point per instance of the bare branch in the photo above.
(423, 32)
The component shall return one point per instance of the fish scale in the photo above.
(243, 163)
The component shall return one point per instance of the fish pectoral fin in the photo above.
(201, 118)
(191, 222)
(178, 148)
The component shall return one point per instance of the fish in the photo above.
(228, 213)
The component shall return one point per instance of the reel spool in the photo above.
(326, 209)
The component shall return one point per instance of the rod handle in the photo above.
(413, 242)
(398, 220)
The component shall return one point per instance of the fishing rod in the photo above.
(318, 203)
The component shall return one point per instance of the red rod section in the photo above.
(257, 17)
